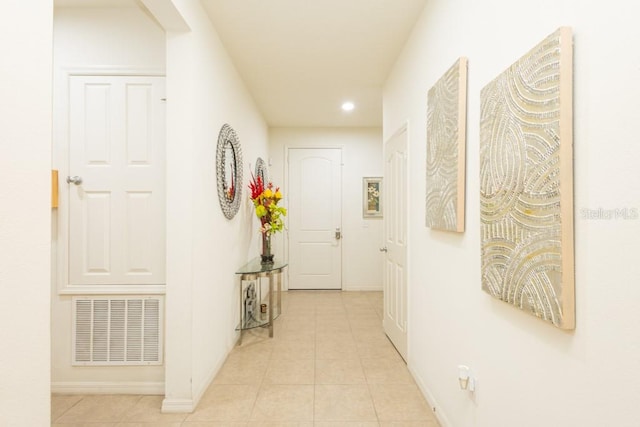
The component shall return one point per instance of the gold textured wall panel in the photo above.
(446, 134)
(526, 183)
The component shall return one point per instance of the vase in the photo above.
(266, 257)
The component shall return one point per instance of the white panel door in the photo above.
(116, 165)
(395, 241)
(315, 212)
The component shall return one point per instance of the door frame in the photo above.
(286, 186)
(60, 162)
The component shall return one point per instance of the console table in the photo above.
(254, 270)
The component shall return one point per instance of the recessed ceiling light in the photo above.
(348, 106)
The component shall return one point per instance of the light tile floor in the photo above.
(328, 365)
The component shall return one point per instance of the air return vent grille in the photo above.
(117, 331)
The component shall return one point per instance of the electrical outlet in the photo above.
(466, 378)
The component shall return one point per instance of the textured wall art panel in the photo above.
(446, 133)
(526, 183)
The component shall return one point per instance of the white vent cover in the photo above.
(117, 331)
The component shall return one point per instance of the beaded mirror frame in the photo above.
(229, 171)
(262, 171)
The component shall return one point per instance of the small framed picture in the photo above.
(372, 197)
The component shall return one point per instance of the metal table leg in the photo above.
(271, 289)
(241, 312)
(279, 292)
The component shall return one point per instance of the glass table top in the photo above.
(254, 266)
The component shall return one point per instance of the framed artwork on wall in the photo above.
(526, 183)
(446, 138)
(372, 197)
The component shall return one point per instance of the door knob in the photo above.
(383, 249)
(75, 179)
(338, 233)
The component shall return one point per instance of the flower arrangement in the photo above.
(271, 216)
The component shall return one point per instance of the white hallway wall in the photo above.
(529, 373)
(25, 212)
(204, 249)
(104, 39)
(361, 157)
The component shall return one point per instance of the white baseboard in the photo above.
(107, 387)
(364, 288)
(205, 384)
(189, 405)
(435, 408)
(180, 406)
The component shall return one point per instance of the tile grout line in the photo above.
(315, 372)
(124, 414)
(375, 410)
(69, 408)
(262, 383)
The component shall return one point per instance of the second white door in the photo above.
(395, 241)
(315, 211)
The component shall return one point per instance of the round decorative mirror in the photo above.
(261, 171)
(229, 171)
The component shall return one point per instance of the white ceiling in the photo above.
(302, 58)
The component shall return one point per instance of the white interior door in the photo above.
(116, 165)
(315, 211)
(395, 241)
